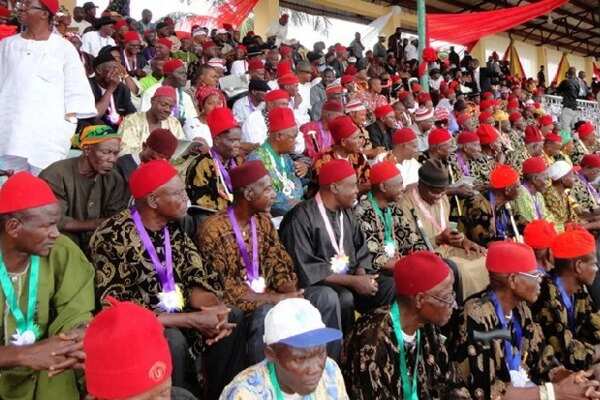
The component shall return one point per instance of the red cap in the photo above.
(277, 94)
(288, 79)
(209, 44)
(438, 136)
(485, 104)
(172, 65)
(584, 130)
(285, 50)
(284, 68)
(247, 173)
(281, 118)
(4, 12)
(51, 5)
(553, 137)
(539, 234)
(204, 92)
(573, 243)
(149, 177)
(255, 64)
(416, 88)
(533, 134)
(165, 42)
(166, 91)
(424, 98)
(163, 142)
(339, 48)
(131, 36)
(346, 79)
(333, 106)
(383, 171)
(335, 171)
(503, 176)
(403, 94)
(513, 103)
(382, 111)
(333, 89)
(515, 116)
(510, 258)
(23, 191)
(487, 134)
(534, 165)
(220, 120)
(419, 272)
(342, 127)
(484, 116)
(120, 23)
(487, 96)
(467, 137)
(403, 135)
(127, 353)
(590, 161)
(545, 120)
(462, 118)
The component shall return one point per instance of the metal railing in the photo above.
(589, 110)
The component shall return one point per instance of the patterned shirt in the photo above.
(562, 207)
(469, 356)
(575, 349)
(370, 362)
(281, 170)
(477, 168)
(359, 163)
(135, 130)
(484, 223)
(254, 384)
(586, 196)
(528, 206)
(406, 236)
(219, 249)
(205, 186)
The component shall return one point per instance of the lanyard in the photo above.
(278, 162)
(513, 357)
(250, 264)
(501, 221)
(409, 389)
(462, 164)
(337, 246)
(424, 210)
(126, 60)
(590, 188)
(164, 271)
(222, 171)
(23, 325)
(567, 302)
(386, 219)
(275, 383)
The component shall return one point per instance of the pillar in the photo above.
(69, 4)
(542, 59)
(589, 69)
(265, 13)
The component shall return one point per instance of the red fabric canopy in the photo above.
(463, 28)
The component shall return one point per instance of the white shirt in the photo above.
(254, 130)
(194, 128)
(92, 43)
(80, 26)
(183, 99)
(410, 52)
(409, 169)
(242, 108)
(279, 31)
(304, 90)
(239, 67)
(40, 82)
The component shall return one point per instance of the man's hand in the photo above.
(451, 238)
(577, 385)
(365, 285)
(471, 247)
(113, 80)
(297, 100)
(300, 168)
(45, 354)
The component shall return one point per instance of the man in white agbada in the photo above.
(279, 29)
(43, 91)
(92, 42)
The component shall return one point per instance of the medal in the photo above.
(170, 298)
(389, 245)
(287, 185)
(340, 261)
(254, 280)
(223, 174)
(27, 331)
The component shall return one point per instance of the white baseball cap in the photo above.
(560, 169)
(297, 323)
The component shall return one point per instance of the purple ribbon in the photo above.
(590, 187)
(224, 173)
(250, 264)
(462, 164)
(164, 271)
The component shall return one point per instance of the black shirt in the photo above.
(380, 137)
(122, 97)
(569, 90)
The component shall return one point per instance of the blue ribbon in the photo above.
(513, 357)
(567, 302)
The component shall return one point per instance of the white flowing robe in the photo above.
(40, 82)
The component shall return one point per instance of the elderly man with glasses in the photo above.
(384, 354)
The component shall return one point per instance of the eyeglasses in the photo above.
(449, 301)
(26, 6)
(538, 275)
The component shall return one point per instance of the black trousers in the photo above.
(338, 304)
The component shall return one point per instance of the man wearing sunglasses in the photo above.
(522, 366)
(565, 310)
(376, 367)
